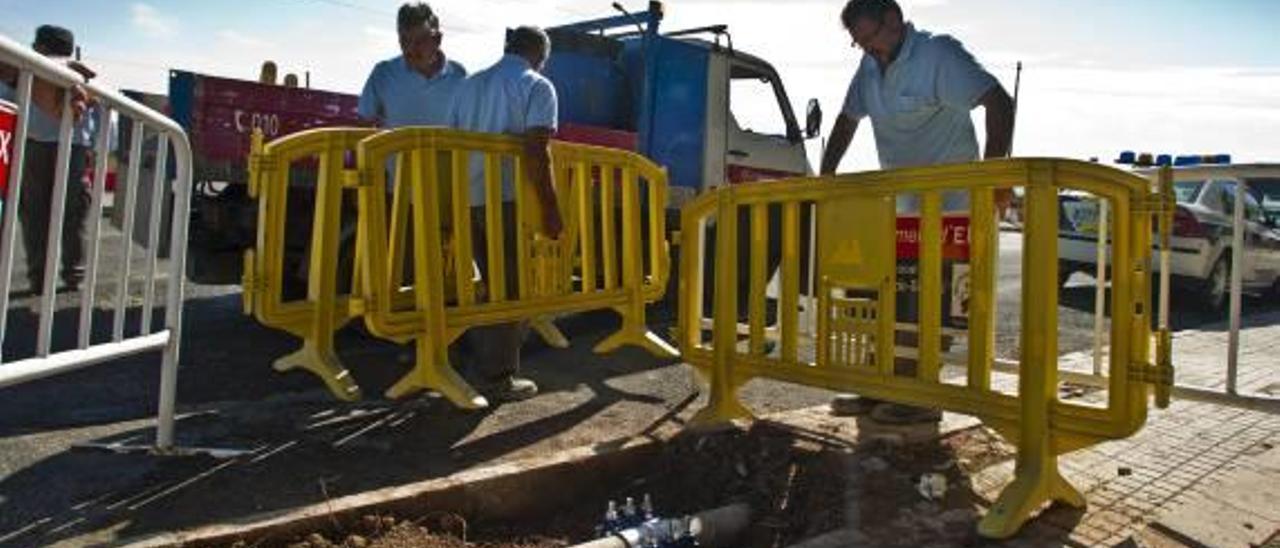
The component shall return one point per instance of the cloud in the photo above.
(151, 22)
(238, 39)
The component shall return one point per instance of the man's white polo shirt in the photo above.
(401, 96)
(920, 107)
(508, 98)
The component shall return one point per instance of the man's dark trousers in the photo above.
(34, 211)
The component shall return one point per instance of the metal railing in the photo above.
(1230, 392)
(35, 70)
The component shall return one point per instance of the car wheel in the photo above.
(1217, 287)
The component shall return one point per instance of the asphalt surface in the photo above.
(308, 447)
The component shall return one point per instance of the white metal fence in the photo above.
(1230, 392)
(124, 340)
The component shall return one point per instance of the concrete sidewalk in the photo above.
(1196, 474)
(1200, 357)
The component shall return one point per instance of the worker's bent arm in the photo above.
(999, 109)
(46, 96)
(537, 167)
(838, 143)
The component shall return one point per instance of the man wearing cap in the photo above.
(416, 87)
(509, 98)
(40, 161)
(918, 89)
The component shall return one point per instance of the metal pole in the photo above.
(1017, 85)
(102, 151)
(1100, 287)
(53, 241)
(1237, 278)
(179, 222)
(813, 252)
(1166, 182)
(7, 235)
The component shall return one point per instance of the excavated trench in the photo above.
(800, 484)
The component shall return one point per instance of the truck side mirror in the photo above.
(812, 119)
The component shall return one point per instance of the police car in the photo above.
(1201, 247)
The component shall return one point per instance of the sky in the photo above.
(1099, 76)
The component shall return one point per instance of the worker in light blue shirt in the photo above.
(509, 98)
(40, 161)
(415, 88)
(918, 89)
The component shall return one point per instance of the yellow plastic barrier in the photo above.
(323, 311)
(594, 264)
(854, 342)
(608, 256)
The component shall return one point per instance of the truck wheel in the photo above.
(1217, 287)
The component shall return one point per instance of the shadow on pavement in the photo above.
(1184, 312)
(304, 446)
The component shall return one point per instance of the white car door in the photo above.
(1258, 270)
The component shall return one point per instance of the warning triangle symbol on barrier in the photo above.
(847, 252)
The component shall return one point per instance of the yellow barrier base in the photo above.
(723, 408)
(546, 328)
(435, 375)
(719, 415)
(643, 338)
(322, 363)
(1030, 490)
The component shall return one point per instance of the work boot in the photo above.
(511, 389)
(898, 414)
(850, 405)
(71, 281)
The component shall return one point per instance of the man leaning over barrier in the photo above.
(918, 89)
(415, 88)
(58, 44)
(511, 98)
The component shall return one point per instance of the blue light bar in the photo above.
(1164, 160)
(1127, 157)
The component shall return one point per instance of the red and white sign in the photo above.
(8, 120)
(955, 237)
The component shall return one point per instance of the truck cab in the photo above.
(688, 100)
